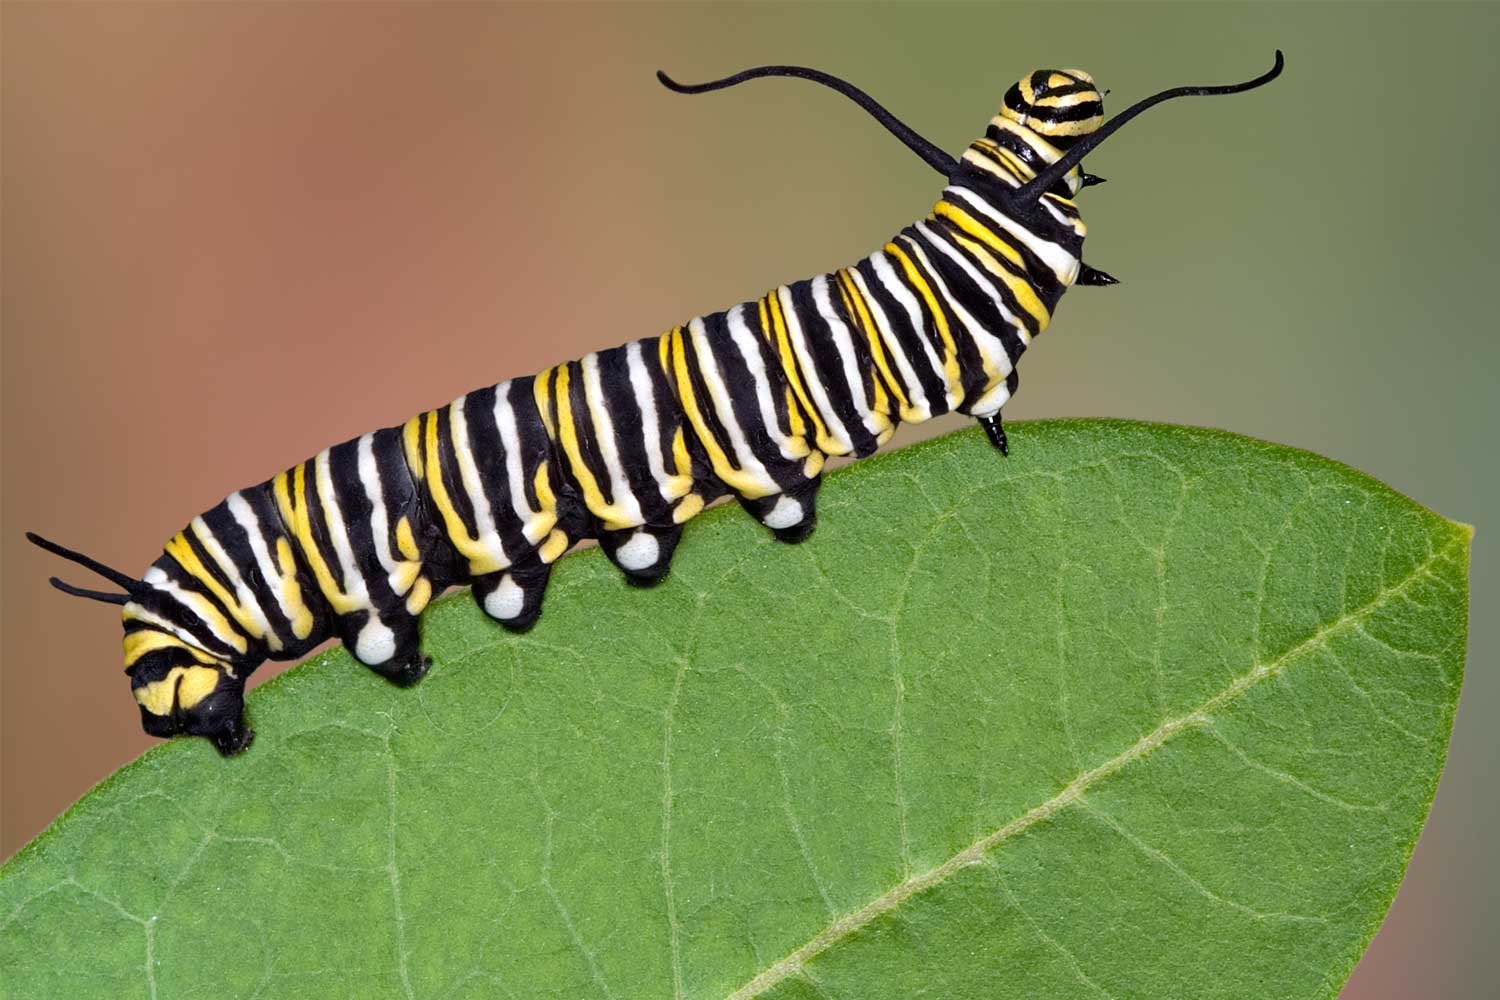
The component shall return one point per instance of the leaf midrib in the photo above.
(844, 926)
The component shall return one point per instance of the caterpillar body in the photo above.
(627, 444)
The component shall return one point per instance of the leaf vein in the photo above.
(842, 928)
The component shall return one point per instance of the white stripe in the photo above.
(990, 345)
(968, 322)
(671, 486)
(380, 526)
(1064, 265)
(484, 520)
(604, 436)
(844, 343)
(903, 295)
(749, 349)
(244, 596)
(708, 367)
(919, 408)
(134, 612)
(333, 518)
(245, 515)
(811, 379)
(196, 603)
(989, 166)
(534, 523)
(1075, 224)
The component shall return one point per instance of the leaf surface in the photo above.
(1141, 712)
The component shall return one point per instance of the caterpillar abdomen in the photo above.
(626, 445)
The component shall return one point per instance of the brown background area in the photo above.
(233, 234)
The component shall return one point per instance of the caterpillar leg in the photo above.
(996, 430)
(644, 554)
(993, 424)
(791, 516)
(392, 647)
(513, 598)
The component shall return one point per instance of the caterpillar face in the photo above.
(1061, 105)
(178, 693)
(187, 672)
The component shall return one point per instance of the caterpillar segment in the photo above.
(626, 445)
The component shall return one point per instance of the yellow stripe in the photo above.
(789, 366)
(950, 349)
(722, 466)
(681, 457)
(411, 442)
(765, 324)
(543, 484)
(613, 515)
(404, 576)
(1021, 288)
(1007, 160)
(857, 305)
(404, 540)
(143, 641)
(878, 401)
(207, 609)
(1083, 127)
(420, 594)
(542, 480)
(541, 390)
(481, 560)
(687, 508)
(298, 517)
(291, 590)
(967, 223)
(553, 548)
(797, 427)
(181, 549)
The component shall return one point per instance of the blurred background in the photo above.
(233, 234)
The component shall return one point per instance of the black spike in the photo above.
(1093, 276)
(1089, 180)
(93, 595)
(129, 583)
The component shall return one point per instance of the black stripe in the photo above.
(628, 425)
(907, 340)
(1038, 273)
(976, 298)
(970, 365)
(453, 482)
(488, 452)
(818, 335)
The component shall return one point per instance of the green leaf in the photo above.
(1140, 712)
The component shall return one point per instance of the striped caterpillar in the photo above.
(627, 444)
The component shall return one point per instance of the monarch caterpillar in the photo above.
(627, 444)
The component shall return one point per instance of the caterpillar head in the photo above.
(183, 678)
(179, 693)
(1061, 105)
(1079, 144)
